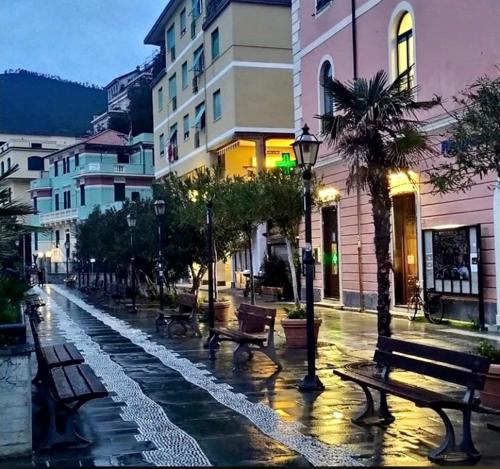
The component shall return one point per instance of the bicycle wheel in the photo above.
(435, 310)
(412, 308)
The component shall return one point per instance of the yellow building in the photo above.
(223, 91)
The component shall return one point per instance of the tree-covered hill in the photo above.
(31, 103)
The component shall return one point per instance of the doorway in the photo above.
(405, 262)
(331, 255)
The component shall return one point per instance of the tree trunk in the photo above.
(252, 286)
(381, 209)
(197, 278)
(293, 272)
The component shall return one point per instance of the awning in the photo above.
(199, 116)
(197, 61)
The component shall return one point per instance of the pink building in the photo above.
(447, 44)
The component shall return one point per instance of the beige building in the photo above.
(223, 91)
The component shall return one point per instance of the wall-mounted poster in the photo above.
(451, 259)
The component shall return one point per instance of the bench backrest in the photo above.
(460, 368)
(187, 302)
(252, 324)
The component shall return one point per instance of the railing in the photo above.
(113, 168)
(58, 216)
(41, 183)
(159, 66)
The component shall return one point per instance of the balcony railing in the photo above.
(41, 183)
(113, 168)
(58, 216)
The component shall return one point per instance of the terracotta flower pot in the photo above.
(221, 310)
(296, 332)
(490, 395)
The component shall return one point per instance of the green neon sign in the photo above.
(286, 164)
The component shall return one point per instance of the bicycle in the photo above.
(431, 304)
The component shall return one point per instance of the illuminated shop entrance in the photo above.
(331, 255)
(405, 245)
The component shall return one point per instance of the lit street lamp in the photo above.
(67, 246)
(132, 221)
(159, 207)
(306, 148)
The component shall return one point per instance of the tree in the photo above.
(376, 131)
(120, 122)
(140, 109)
(474, 139)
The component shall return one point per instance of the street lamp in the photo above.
(67, 246)
(159, 207)
(306, 148)
(210, 262)
(132, 221)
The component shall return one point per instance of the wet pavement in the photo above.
(170, 405)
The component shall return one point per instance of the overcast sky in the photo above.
(82, 40)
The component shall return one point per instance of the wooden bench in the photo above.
(276, 292)
(250, 336)
(186, 316)
(463, 369)
(70, 387)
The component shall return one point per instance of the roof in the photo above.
(155, 36)
(106, 137)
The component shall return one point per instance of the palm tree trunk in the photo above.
(293, 272)
(381, 209)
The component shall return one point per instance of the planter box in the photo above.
(13, 333)
(221, 310)
(490, 395)
(296, 332)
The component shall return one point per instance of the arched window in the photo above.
(405, 51)
(326, 100)
(35, 163)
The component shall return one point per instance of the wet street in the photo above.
(170, 405)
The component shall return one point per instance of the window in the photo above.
(3, 167)
(196, 8)
(217, 105)
(184, 75)
(35, 203)
(172, 91)
(405, 53)
(68, 166)
(160, 98)
(172, 144)
(64, 165)
(185, 126)
(171, 42)
(77, 160)
(8, 164)
(67, 199)
(36, 241)
(119, 191)
(162, 145)
(136, 196)
(183, 22)
(56, 201)
(320, 4)
(122, 157)
(56, 168)
(35, 163)
(215, 43)
(36, 145)
(58, 238)
(326, 101)
(198, 61)
(199, 117)
(82, 194)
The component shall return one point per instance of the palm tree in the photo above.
(376, 132)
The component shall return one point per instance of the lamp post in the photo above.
(92, 262)
(306, 148)
(159, 207)
(132, 221)
(67, 246)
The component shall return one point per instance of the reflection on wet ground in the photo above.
(224, 435)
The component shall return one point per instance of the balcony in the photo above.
(42, 183)
(59, 216)
(111, 168)
(159, 67)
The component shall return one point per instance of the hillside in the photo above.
(34, 104)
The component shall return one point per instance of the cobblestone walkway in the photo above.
(170, 405)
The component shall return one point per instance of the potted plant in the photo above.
(12, 321)
(490, 395)
(295, 327)
(221, 308)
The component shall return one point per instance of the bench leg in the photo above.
(384, 411)
(195, 326)
(212, 345)
(467, 445)
(369, 411)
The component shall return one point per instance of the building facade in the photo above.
(440, 46)
(222, 90)
(101, 171)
